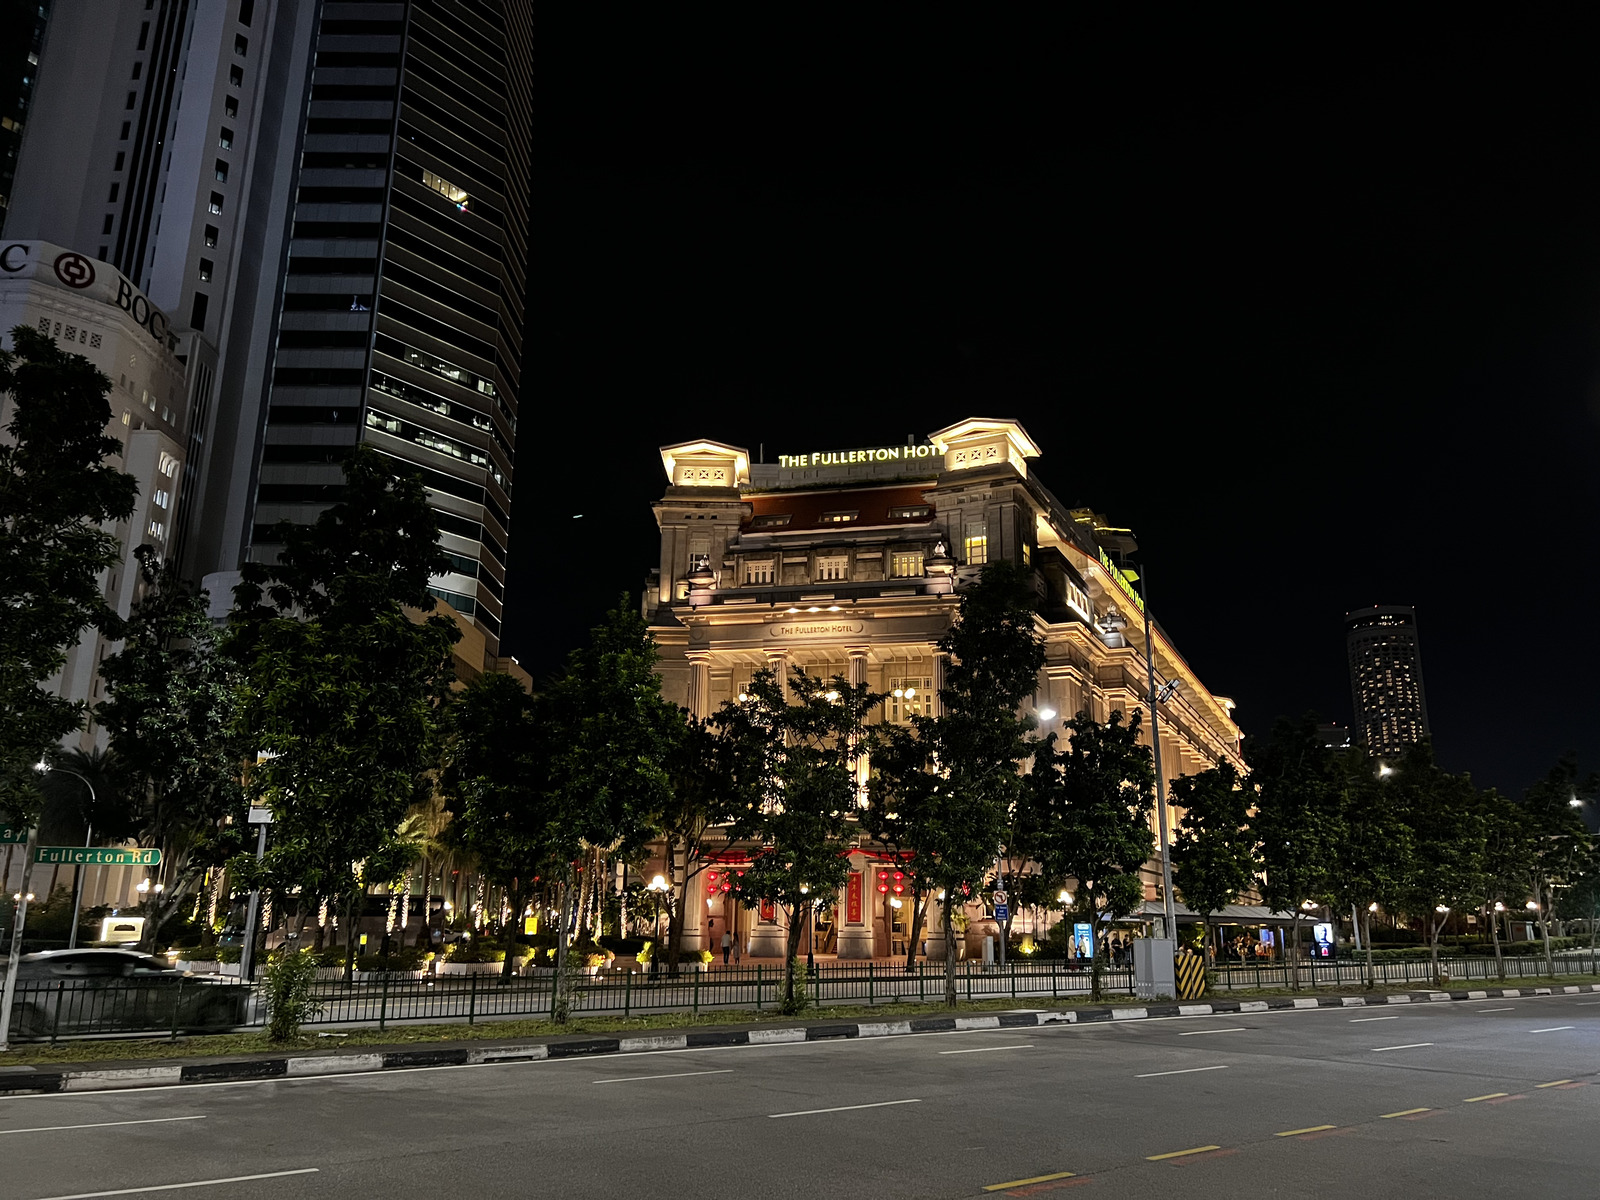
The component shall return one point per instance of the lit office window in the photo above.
(906, 565)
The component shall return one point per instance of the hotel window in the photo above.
(225, 138)
(230, 107)
(211, 237)
(235, 76)
(215, 208)
(840, 518)
(758, 572)
(908, 698)
(771, 521)
(206, 267)
(977, 544)
(909, 512)
(833, 569)
(123, 136)
(117, 166)
(112, 199)
(906, 565)
(445, 188)
(221, 169)
(241, 44)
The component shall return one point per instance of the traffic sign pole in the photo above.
(260, 818)
(9, 993)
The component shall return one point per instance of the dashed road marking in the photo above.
(1553, 1083)
(812, 1112)
(1180, 1153)
(1000, 1187)
(987, 1049)
(674, 1075)
(1185, 1071)
(1230, 1029)
(1553, 1029)
(1364, 1020)
(1407, 1046)
(1490, 1096)
(1405, 1112)
(1307, 1129)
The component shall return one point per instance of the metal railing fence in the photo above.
(48, 1010)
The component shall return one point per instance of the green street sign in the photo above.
(93, 856)
(10, 834)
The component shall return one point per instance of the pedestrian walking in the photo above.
(727, 945)
(737, 947)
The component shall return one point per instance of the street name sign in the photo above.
(12, 835)
(95, 856)
(260, 816)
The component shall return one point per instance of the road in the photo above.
(1440, 1100)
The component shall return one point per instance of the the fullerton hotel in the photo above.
(847, 563)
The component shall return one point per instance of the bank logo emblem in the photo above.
(74, 270)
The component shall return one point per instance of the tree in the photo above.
(1214, 854)
(1508, 864)
(1297, 819)
(170, 710)
(1446, 836)
(793, 783)
(1092, 801)
(1556, 840)
(343, 688)
(948, 789)
(695, 817)
(57, 497)
(1372, 849)
(494, 782)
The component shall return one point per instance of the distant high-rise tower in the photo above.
(1386, 694)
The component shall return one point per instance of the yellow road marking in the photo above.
(1307, 1129)
(1553, 1083)
(1490, 1096)
(1180, 1153)
(1000, 1187)
(1405, 1112)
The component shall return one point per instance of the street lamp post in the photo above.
(45, 768)
(657, 886)
(1168, 904)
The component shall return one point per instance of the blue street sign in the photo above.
(1001, 911)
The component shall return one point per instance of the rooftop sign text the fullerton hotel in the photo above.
(844, 458)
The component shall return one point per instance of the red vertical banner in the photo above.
(852, 908)
(768, 913)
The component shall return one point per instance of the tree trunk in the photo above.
(1544, 926)
(1594, 927)
(1095, 940)
(558, 1007)
(352, 918)
(1366, 922)
(919, 905)
(1209, 950)
(1494, 936)
(509, 933)
(791, 959)
(1294, 952)
(949, 948)
(1433, 948)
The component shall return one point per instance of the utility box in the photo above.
(1154, 976)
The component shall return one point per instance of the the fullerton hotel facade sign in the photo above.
(845, 458)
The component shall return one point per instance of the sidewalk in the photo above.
(159, 1072)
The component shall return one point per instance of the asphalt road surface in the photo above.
(1492, 1097)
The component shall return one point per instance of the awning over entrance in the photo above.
(1232, 914)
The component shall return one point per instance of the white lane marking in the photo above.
(1553, 1029)
(674, 1075)
(1508, 1008)
(987, 1049)
(173, 1187)
(811, 1112)
(100, 1125)
(1587, 1003)
(1364, 1020)
(1407, 1046)
(1186, 1071)
(1230, 1029)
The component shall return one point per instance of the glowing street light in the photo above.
(1047, 713)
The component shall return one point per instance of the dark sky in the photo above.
(1313, 311)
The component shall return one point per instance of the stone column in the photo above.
(694, 913)
(778, 663)
(858, 678)
(933, 929)
(699, 684)
(767, 938)
(940, 661)
(855, 937)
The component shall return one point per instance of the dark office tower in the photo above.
(1390, 707)
(22, 25)
(400, 323)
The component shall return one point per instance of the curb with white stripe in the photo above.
(23, 1082)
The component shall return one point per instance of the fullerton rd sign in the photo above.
(845, 458)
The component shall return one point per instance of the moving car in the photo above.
(119, 991)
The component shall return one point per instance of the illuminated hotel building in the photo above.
(850, 563)
(1391, 709)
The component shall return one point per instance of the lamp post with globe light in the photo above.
(44, 768)
(657, 887)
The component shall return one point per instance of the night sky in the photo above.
(1313, 311)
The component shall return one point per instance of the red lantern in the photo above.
(899, 883)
